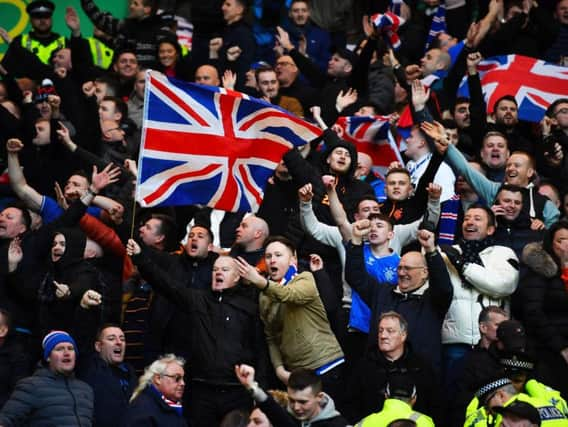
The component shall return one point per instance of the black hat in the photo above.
(512, 334)
(40, 8)
(347, 54)
(516, 362)
(491, 387)
(520, 409)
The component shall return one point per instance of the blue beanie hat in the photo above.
(54, 338)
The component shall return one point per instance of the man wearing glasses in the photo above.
(422, 295)
(290, 85)
(157, 399)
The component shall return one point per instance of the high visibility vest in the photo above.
(41, 51)
(101, 53)
(394, 409)
(543, 392)
(550, 416)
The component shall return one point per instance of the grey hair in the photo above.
(158, 367)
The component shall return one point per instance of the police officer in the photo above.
(41, 40)
(400, 396)
(500, 392)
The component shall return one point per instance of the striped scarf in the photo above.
(438, 24)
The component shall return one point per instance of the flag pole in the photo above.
(133, 215)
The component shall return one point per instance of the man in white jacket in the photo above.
(482, 274)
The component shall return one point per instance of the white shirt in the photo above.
(444, 177)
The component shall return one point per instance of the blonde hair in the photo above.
(158, 367)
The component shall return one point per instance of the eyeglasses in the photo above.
(401, 268)
(561, 111)
(284, 64)
(177, 378)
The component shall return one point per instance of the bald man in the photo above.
(250, 236)
(290, 85)
(207, 75)
(365, 172)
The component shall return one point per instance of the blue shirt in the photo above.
(50, 210)
(383, 270)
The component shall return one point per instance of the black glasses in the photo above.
(177, 378)
(409, 267)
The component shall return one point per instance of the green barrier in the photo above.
(15, 20)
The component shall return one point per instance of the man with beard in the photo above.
(505, 112)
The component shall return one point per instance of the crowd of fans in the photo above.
(436, 294)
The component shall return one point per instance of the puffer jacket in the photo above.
(492, 283)
(544, 300)
(48, 399)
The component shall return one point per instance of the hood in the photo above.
(332, 141)
(75, 242)
(327, 411)
(539, 261)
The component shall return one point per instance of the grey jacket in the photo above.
(47, 399)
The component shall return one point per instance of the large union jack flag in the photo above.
(534, 83)
(370, 135)
(211, 146)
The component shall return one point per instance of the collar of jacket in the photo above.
(416, 293)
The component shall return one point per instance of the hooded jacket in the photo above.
(327, 417)
(349, 189)
(71, 270)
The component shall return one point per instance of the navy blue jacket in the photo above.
(112, 385)
(423, 309)
(148, 409)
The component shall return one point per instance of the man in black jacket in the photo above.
(226, 330)
(393, 355)
(112, 380)
(423, 293)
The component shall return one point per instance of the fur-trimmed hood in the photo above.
(539, 261)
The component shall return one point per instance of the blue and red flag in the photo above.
(211, 146)
(534, 83)
(370, 135)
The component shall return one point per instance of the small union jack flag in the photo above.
(211, 146)
(534, 83)
(387, 25)
(370, 135)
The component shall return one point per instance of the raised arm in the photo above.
(324, 233)
(103, 20)
(182, 297)
(485, 188)
(27, 194)
(355, 270)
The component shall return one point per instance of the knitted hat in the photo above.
(52, 339)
